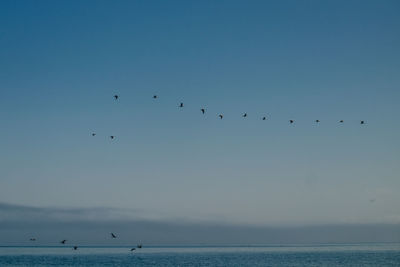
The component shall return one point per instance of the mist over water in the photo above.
(93, 227)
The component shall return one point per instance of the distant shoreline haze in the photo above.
(86, 227)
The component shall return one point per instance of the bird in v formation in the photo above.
(221, 116)
(181, 105)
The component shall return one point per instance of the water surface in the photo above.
(295, 255)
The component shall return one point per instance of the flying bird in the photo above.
(244, 115)
(155, 96)
(220, 116)
(291, 121)
(116, 97)
(181, 105)
(341, 121)
(93, 134)
(203, 110)
(132, 249)
(75, 247)
(113, 236)
(264, 118)
(112, 136)
(63, 241)
(317, 121)
(362, 122)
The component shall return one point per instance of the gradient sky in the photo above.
(61, 62)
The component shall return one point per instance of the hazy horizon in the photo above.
(92, 226)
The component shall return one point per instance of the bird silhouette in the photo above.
(362, 122)
(291, 121)
(75, 247)
(93, 134)
(113, 235)
(264, 118)
(139, 246)
(32, 239)
(116, 97)
(244, 115)
(132, 249)
(220, 116)
(181, 105)
(63, 241)
(155, 96)
(112, 136)
(203, 110)
(317, 121)
(341, 121)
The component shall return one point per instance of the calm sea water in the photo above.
(321, 255)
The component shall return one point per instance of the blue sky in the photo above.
(62, 61)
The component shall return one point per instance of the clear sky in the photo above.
(61, 62)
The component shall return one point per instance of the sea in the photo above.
(268, 255)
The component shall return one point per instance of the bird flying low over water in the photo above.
(264, 118)
(362, 122)
(63, 241)
(203, 110)
(317, 121)
(341, 121)
(181, 105)
(220, 116)
(93, 134)
(112, 136)
(132, 249)
(116, 97)
(155, 96)
(291, 121)
(244, 115)
(113, 235)
(75, 247)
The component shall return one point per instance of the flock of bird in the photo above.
(221, 116)
(203, 111)
(113, 236)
